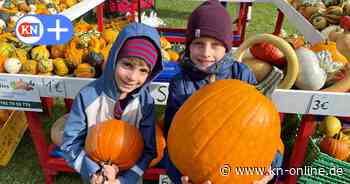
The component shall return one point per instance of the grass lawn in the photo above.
(24, 168)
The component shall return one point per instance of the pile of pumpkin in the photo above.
(83, 56)
(324, 15)
(12, 10)
(336, 140)
(170, 52)
(315, 67)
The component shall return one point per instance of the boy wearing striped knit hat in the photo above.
(121, 93)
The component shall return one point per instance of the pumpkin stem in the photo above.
(270, 82)
(337, 136)
(212, 78)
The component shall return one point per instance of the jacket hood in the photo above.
(109, 85)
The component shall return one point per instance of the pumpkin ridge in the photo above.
(204, 99)
(200, 119)
(236, 148)
(201, 147)
(101, 146)
(118, 142)
(228, 155)
(132, 143)
(108, 138)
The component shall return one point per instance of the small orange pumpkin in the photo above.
(226, 123)
(114, 141)
(332, 48)
(338, 149)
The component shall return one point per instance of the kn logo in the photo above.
(44, 29)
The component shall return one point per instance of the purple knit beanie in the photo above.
(210, 19)
(140, 48)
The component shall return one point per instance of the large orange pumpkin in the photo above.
(226, 123)
(161, 143)
(332, 48)
(114, 141)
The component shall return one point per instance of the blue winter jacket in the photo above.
(95, 103)
(189, 80)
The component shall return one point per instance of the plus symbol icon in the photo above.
(57, 30)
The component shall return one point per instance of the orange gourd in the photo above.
(338, 149)
(114, 141)
(224, 123)
(161, 143)
(57, 51)
(332, 48)
(2, 62)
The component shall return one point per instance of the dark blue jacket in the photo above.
(95, 103)
(189, 80)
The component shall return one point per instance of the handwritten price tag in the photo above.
(54, 87)
(320, 104)
(164, 179)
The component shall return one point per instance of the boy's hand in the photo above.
(186, 180)
(110, 171)
(96, 179)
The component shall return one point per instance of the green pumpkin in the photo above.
(45, 65)
(7, 50)
(40, 53)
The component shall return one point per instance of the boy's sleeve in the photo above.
(277, 161)
(148, 132)
(172, 106)
(248, 76)
(172, 172)
(75, 131)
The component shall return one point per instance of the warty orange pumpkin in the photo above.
(114, 141)
(224, 123)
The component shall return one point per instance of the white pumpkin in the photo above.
(311, 76)
(2, 24)
(12, 65)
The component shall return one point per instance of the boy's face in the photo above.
(130, 74)
(206, 51)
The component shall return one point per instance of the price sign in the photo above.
(320, 104)
(159, 91)
(164, 179)
(53, 87)
(19, 93)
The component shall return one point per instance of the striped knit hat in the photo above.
(140, 48)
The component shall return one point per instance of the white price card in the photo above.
(321, 104)
(53, 87)
(20, 93)
(164, 179)
(159, 91)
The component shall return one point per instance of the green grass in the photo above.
(24, 168)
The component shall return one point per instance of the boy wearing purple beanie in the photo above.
(206, 59)
(120, 93)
